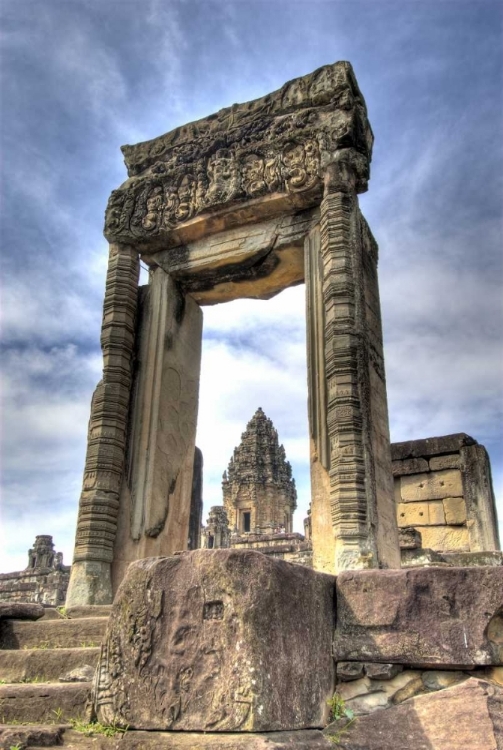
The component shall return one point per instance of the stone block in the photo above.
(455, 510)
(423, 617)
(452, 461)
(409, 466)
(210, 640)
(347, 671)
(432, 486)
(421, 514)
(43, 664)
(410, 538)
(20, 611)
(36, 704)
(382, 671)
(434, 446)
(468, 715)
(52, 633)
(445, 538)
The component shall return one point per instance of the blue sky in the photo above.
(79, 79)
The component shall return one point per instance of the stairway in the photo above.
(46, 669)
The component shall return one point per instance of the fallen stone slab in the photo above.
(469, 715)
(30, 736)
(21, 611)
(44, 665)
(218, 640)
(139, 740)
(421, 617)
(41, 703)
(63, 633)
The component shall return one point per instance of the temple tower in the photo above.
(258, 488)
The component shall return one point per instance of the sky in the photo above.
(80, 78)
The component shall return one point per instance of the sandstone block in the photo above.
(430, 446)
(423, 616)
(382, 671)
(464, 716)
(347, 671)
(410, 538)
(452, 461)
(445, 538)
(20, 611)
(421, 514)
(455, 510)
(409, 466)
(433, 486)
(218, 640)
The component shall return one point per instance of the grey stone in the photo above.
(218, 640)
(347, 671)
(376, 671)
(430, 446)
(20, 611)
(421, 616)
(84, 673)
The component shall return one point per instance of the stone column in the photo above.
(90, 581)
(353, 512)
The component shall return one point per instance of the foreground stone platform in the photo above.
(218, 640)
(421, 617)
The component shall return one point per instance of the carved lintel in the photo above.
(261, 156)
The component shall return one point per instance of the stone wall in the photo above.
(444, 496)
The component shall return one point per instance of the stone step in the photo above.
(46, 634)
(44, 665)
(74, 613)
(303, 739)
(43, 703)
(32, 735)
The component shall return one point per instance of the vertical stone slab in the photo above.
(90, 580)
(360, 494)
(320, 518)
(196, 505)
(482, 520)
(155, 498)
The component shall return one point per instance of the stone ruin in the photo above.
(43, 581)
(232, 648)
(243, 203)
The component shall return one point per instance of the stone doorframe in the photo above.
(244, 203)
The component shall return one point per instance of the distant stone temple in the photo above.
(43, 581)
(260, 498)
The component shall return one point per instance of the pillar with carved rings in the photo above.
(90, 581)
(353, 512)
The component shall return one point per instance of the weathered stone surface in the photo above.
(262, 158)
(420, 514)
(382, 671)
(84, 673)
(423, 617)
(432, 486)
(410, 538)
(347, 671)
(437, 463)
(52, 633)
(44, 664)
(20, 611)
(367, 695)
(430, 446)
(454, 510)
(156, 493)
(409, 466)
(36, 703)
(30, 736)
(208, 641)
(96, 610)
(445, 538)
(464, 716)
(138, 740)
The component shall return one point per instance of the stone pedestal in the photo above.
(218, 641)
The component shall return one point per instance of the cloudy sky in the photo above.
(79, 78)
